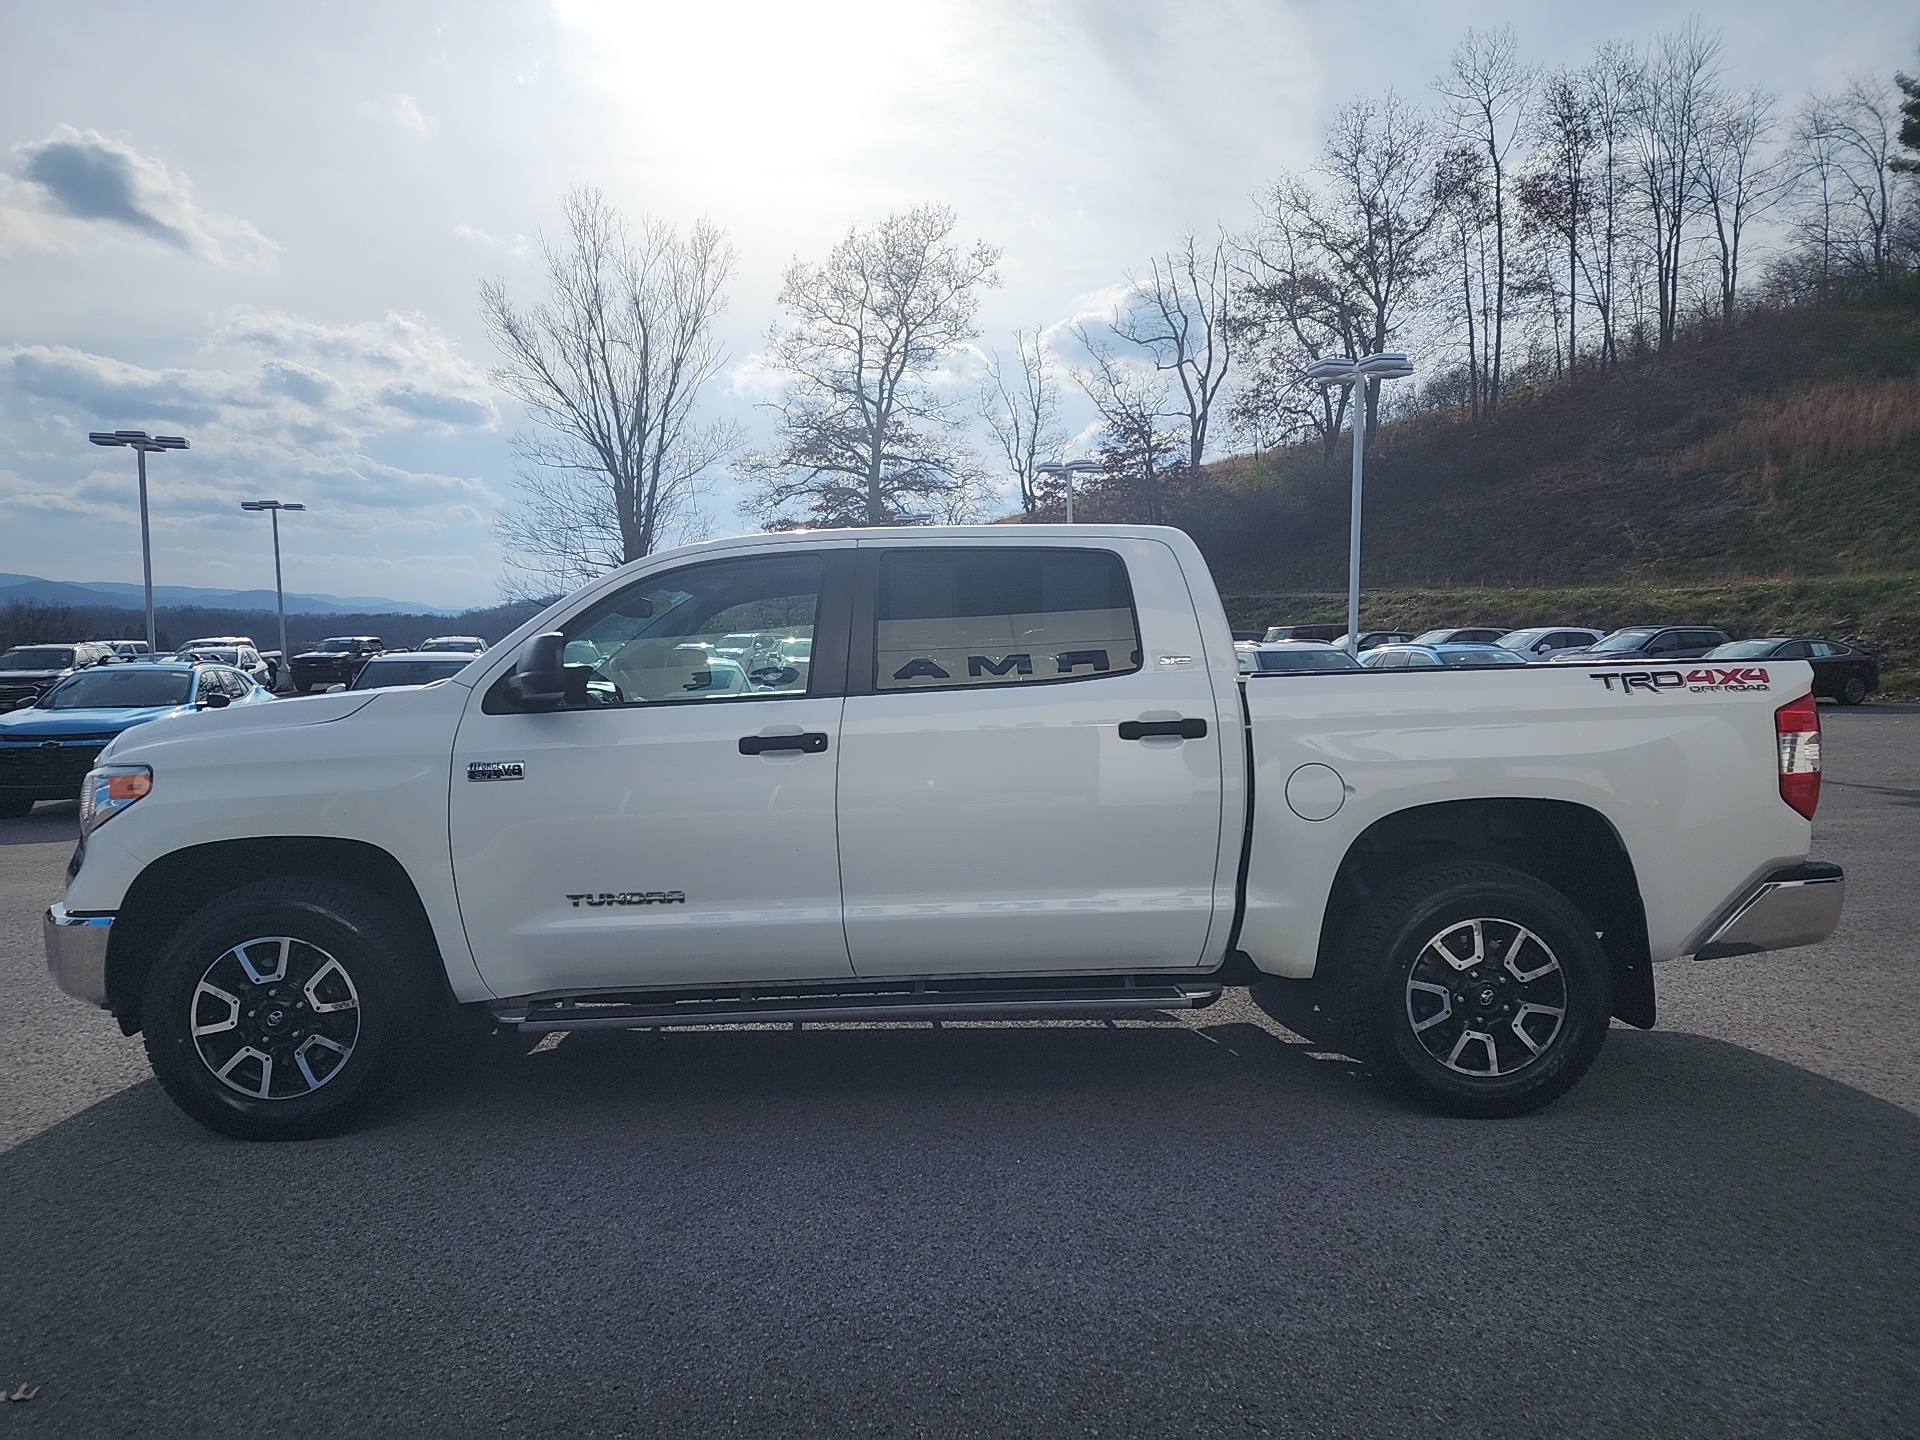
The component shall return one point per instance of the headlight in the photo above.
(109, 790)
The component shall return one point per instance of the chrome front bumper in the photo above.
(1800, 906)
(77, 953)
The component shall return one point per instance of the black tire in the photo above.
(1853, 692)
(1405, 1002)
(13, 804)
(363, 965)
(301, 687)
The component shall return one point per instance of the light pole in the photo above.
(1389, 365)
(1069, 469)
(273, 509)
(140, 443)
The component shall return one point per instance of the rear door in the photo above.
(1030, 765)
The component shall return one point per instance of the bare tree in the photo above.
(1182, 317)
(865, 436)
(1557, 195)
(1609, 82)
(1678, 87)
(610, 366)
(1849, 146)
(1023, 413)
(1292, 313)
(1368, 223)
(1738, 180)
(1464, 201)
(1141, 450)
(1489, 90)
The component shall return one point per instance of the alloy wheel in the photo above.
(275, 1018)
(1486, 997)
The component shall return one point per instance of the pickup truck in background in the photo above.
(918, 774)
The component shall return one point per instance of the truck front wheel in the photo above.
(287, 1009)
(1476, 989)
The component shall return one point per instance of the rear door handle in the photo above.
(1145, 729)
(810, 743)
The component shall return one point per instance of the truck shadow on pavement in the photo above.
(47, 824)
(1156, 1229)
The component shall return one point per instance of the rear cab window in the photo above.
(1001, 615)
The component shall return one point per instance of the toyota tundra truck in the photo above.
(926, 774)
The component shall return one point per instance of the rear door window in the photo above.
(999, 615)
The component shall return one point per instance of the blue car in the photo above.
(48, 745)
(1457, 656)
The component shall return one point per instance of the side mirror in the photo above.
(539, 681)
(334, 690)
(26, 702)
(215, 702)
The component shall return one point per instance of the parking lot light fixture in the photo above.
(273, 509)
(1340, 370)
(1069, 469)
(141, 443)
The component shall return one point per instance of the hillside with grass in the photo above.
(1787, 447)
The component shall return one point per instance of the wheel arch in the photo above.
(1572, 847)
(176, 885)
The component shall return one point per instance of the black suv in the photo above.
(28, 671)
(334, 661)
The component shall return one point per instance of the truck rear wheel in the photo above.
(1476, 990)
(287, 1009)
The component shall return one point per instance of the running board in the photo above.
(1084, 1003)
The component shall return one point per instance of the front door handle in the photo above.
(1145, 729)
(810, 743)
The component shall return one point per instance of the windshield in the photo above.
(1623, 640)
(1491, 655)
(118, 689)
(455, 644)
(1306, 658)
(1432, 637)
(37, 657)
(380, 674)
(337, 647)
(1742, 650)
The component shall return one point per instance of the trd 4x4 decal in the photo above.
(1698, 681)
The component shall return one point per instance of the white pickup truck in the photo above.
(920, 774)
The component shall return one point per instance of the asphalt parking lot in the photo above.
(1197, 1227)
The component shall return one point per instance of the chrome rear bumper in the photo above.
(1799, 906)
(77, 953)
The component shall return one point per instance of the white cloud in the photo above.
(405, 112)
(516, 247)
(79, 189)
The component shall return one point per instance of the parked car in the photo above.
(406, 667)
(469, 644)
(48, 745)
(1649, 642)
(1024, 782)
(334, 661)
(1373, 639)
(1840, 671)
(29, 671)
(237, 651)
(1321, 631)
(1430, 657)
(1292, 657)
(1541, 641)
(1472, 635)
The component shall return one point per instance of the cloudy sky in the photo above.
(264, 227)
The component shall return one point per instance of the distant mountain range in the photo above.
(62, 592)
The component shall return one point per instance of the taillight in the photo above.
(1797, 729)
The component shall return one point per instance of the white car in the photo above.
(1017, 776)
(1541, 641)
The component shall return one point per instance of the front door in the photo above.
(1015, 792)
(673, 822)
